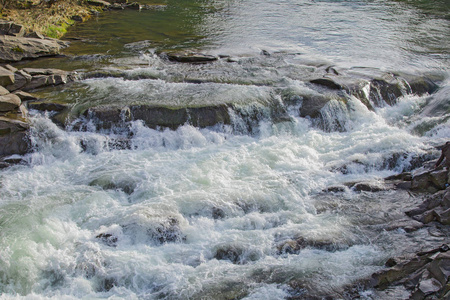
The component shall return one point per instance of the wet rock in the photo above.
(18, 48)
(168, 232)
(434, 208)
(405, 176)
(11, 68)
(127, 187)
(443, 216)
(230, 253)
(327, 82)
(120, 144)
(439, 178)
(36, 82)
(188, 57)
(426, 275)
(407, 225)
(108, 117)
(430, 202)
(312, 105)
(157, 232)
(336, 189)
(160, 116)
(218, 213)
(106, 284)
(108, 239)
(439, 268)
(367, 187)
(155, 116)
(429, 181)
(294, 246)
(291, 246)
(385, 91)
(420, 85)
(400, 271)
(404, 185)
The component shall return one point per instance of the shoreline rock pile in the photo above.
(14, 123)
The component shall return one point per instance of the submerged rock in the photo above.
(295, 245)
(108, 239)
(236, 254)
(153, 230)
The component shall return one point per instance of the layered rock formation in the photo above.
(16, 46)
(14, 123)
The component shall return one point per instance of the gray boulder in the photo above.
(14, 48)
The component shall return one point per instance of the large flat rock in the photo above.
(14, 48)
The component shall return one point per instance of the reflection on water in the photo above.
(390, 34)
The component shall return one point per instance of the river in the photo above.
(230, 211)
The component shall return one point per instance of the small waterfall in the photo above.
(334, 116)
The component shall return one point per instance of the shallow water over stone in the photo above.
(111, 205)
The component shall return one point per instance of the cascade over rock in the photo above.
(372, 87)
(14, 124)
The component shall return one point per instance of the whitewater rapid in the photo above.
(246, 210)
(193, 213)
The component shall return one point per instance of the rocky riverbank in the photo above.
(426, 274)
(14, 123)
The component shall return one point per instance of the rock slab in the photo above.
(13, 48)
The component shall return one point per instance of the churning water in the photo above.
(231, 211)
